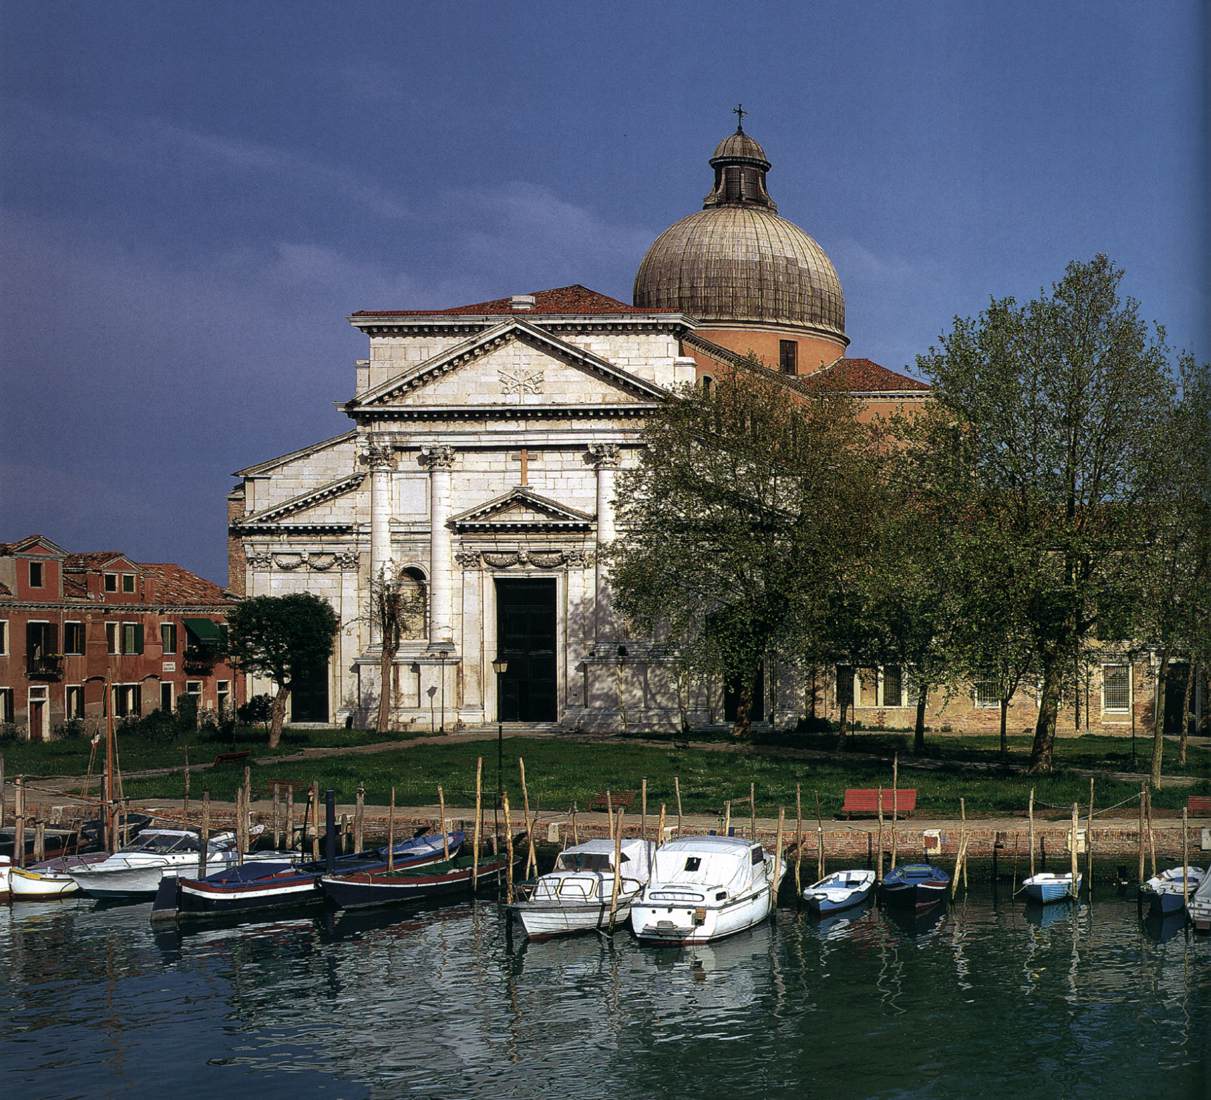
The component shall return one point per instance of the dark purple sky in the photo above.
(193, 196)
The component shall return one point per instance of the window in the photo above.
(893, 686)
(707, 382)
(787, 355)
(758, 855)
(415, 604)
(6, 704)
(35, 574)
(193, 687)
(111, 582)
(111, 638)
(73, 699)
(168, 637)
(167, 692)
(987, 693)
(41, 642)
(3, 635)
(128, 700)
(132, 637)
(692, 863)
(73, 639)
(845, 685)
(128, 582)
(1116, 687)
(223, 691)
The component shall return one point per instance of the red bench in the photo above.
(865, 802)
(1199, 805)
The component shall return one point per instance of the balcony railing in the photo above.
(200, 659)
(45, 667)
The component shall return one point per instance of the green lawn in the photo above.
(561, 772)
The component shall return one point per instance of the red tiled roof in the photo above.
(176, 584)
(92, 559)
(574, 299)
(74, 585)
(862, 376)
(5, 590)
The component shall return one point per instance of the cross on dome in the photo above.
(739, 112)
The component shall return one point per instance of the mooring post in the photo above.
(660, 827)
(773, 890)
(204, 834)
(391, 832)
(1075, 862)
(1089, 844)
(330, 829)
(798, 842)
(479, 794)
(504, 798)
(752, 808)
(727, 817)
(1030, 819)
(1185, 859)
(1139, 834)
(277, 816)
(19, 817)
(643, 809)
(290, 818)
(617, 837)
(879, 862)
(819, 840)
(441, 811)
(315, 820)
(677, 792)
(359, 818)
(895, 807)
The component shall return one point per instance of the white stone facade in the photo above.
(484, 449)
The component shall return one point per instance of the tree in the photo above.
(1048, 424)
(397, 602)
(738, 522)
(280, 638)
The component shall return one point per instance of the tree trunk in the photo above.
(278, 719)
(918, 733)
(841, 725)
(1158, 719)
(1004, 738)
(1187, 711)
(386, 690)
(1044, 729)
(744, 705)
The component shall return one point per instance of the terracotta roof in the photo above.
(93, 559)
(74, 585)
(862, 376)
(574, 299)
(5, 590)
(175, 584)
(25, 543)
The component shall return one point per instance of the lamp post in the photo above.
(500, 666)
(442, 654)
(431, 691)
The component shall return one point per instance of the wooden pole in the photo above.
(2, 790)
(1075, 863)
(277, 816)
(727, 817)
(1185, 853)
(247, 800)
(39, 840)
(773, 887)
(239, 827)
(819, 840)
(954, 881)
(19, 816)
(660, 827)
(531, 858)
(575, 826)
(315, 820)
(359, 819)
(798, 842)
(643, 809)
(441, 810)
(1140, 834)
(290, 818)
(185, 803)
(677, 792)
(479, 806)
(752, 808)
(617, 872)
(1151, 835)
(1089, 844)
(504, 800)
(879, 864)
(391, 832)
(895, 806)
(204, 834)
(1030, 817)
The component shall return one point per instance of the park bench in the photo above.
(617, 798)
(865, 802)
(1199, 805)
(232, 757)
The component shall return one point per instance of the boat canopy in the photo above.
(715, 860)
(164, 840)
(598, 855)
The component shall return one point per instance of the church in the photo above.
(480, 472)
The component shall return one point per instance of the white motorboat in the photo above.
(136, 870)
(704, 888)
(1199, 906)
(576, 896)
(6, 866)
(51, 878)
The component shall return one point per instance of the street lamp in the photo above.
(431, 691)
(442, 654)
(500, 666)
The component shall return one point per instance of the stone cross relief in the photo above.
(520, 380)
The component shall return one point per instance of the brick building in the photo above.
(70, 622)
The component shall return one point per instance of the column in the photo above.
(440, 461)
(380, 459)
(605, 459)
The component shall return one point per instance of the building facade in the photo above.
(72, 623)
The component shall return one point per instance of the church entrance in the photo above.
(525, 638)
(309, 696)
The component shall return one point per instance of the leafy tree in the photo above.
(1048, 427)
(739, 522)
(281, 637)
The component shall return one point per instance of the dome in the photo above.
(737, 261)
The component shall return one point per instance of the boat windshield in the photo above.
(163, 843)
(585, 861)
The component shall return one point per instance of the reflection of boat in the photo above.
(914, 884)
(422, 882)
(1046, 887)
(1200, 906)
(1163, 926)
(916, 922)
(577, 894)
(268, 884)
(839, 926)
(136, 870)
(1166, 893)
(840, 890)
(1044, 916)
(704, 888)
(51, 877)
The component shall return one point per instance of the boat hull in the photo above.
(1052, 890)
(5, 877)
(542, 920)
(136, 881)
(363, 891)
(1166, 903)
(823, 903)
(674, 925)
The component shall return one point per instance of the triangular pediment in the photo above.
(304, 506)
(510, 366)
(521, 508)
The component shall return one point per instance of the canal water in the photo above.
(986, 999)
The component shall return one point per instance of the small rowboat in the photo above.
(1166, 892)
(50, 879)
(916, 884)
(1046, 887)
(840, 890)
(443, 879)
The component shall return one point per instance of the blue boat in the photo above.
(919, 885)
(1046, 887)
(840, 890)
(1165, 892)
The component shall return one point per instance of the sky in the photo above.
(194, 197)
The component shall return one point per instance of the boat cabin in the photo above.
(598, 855)
(715, 865)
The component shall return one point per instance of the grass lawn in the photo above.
(137, 751)
(561, 772)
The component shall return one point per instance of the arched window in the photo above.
(415, 591)
(706, 383)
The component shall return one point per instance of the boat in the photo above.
(1167, 892)
(704, 888)
(51, 878)
(840, 890)
(576, 896)
(6, 867)
(361, 889)
(1199, 906)
(1046, 887)
(135, 871)
(268, 884)
(914, 884)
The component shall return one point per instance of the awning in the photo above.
(204, 631)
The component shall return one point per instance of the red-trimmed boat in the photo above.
(917, 884)
(360, 889)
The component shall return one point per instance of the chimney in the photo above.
(523, 303)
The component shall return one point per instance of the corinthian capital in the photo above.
(378, 456)
(605, 456)
(437, 458)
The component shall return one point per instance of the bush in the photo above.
(71, 730)
(258, 709)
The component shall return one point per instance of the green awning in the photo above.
(204, 631)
